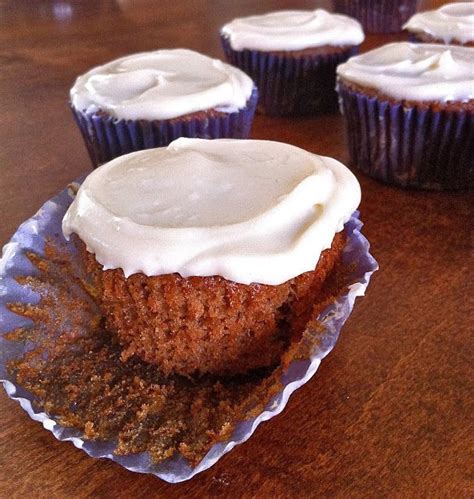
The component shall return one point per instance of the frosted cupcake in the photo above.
(409, 113)
(292, 56)
(149, 99)
(208, 256)
(378, 16)
(450, 24)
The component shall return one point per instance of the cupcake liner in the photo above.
(378, 16)
(409, 146)
(413, 38)
(46, 224)
(290, 86)
(107, 137)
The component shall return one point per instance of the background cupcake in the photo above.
(409, 113)
(292, 56)
(208, 256)
(451, 24)
(378, 16)
(149, 99)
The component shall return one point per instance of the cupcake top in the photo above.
(293, 30)
(416, 72)
(247, 210)
(453, 21)
(160, 85)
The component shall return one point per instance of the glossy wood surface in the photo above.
(388, 412)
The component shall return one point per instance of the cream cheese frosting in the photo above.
(419, 72)
(247, 210)
(163, 84)
(453, 21)
(292, 30)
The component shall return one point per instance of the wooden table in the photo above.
(387, 414)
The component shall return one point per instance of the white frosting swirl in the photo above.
(292, 30)
(160, 85)
(411, 71)
(454, 21)
(247, 210)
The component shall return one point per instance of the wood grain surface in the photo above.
(388, 414)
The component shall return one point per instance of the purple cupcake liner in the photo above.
(46, 224)
(290, 86)
(409, 146)
(107, 137)
(378, 16)
(413, 38)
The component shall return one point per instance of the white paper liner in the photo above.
(31, 236)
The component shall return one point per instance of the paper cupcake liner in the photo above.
(409, 146)
(107, 138)
(413, 38)
(290, 86)
(46, 224)
(378, 16)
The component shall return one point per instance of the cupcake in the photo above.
(292, 56)
(378, 16)
(149, 99)
(409, 116)
(207, 256)
(452, 23)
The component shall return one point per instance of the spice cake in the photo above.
(292, 56)
(149, 99)
(409, 113)
(452, 23)
(207, 256)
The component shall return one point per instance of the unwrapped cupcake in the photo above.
(409, 113)
(452, 23)
(292, 56)
(149, 99)
(378, 16)
(208, 256)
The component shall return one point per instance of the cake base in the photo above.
(426, 38)
(206, 325)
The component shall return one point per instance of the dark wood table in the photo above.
(388, 412)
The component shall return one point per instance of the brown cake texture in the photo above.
(72, 366)
(427, 38)
(435, 106)
(206, 114)
(206, 325)
(312, 51)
